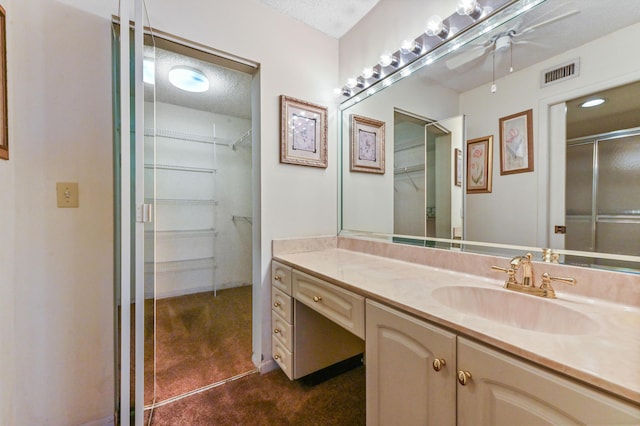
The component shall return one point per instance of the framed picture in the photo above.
(4, 132)
(457, 166)
(479, 164)
(303, 133)
(367, 145)
(516, 143)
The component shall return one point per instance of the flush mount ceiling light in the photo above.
(592, 102)
(149, 71)
(188, 79)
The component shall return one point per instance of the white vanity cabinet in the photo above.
(315, 324)
(411, 370)
(503, 390)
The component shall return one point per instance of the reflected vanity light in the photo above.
(436, 27)
(410, 46)
(188, 79)
(387, 59)
(592, 103)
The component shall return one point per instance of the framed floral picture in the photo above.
(516, 143)
(479, 164)
(303, 133)
(457, 166)
(367, 145)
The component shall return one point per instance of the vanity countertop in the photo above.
(607, 356)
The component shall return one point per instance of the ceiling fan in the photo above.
(502, 41)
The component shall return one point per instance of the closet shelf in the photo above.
(408, 169)
(246, 137)
(184, 201)
(186, 137)
(181, 265)
(179, 168)
(242, 218)
(182, 233)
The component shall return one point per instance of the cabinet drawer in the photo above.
(340, 306)
(282, 331)
(282, 304)
(282, 356)
(281, 277)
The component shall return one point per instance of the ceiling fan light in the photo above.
(188, 79)
(592, 103)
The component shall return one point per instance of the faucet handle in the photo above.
(546, 280)
(511, 273)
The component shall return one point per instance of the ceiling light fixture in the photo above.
(592, 102)
(189, 79)
(149, 71)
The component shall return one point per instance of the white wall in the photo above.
(60, 103)
(62, 277)
(7, 259)
(511, 213)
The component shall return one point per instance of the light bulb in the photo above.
(352, 82)
(337, 92)
(470, 8)
(436, 27)
(387, 59)
(369, 72)
(592, 102)
(410, 46)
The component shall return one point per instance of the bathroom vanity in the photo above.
(447, 345)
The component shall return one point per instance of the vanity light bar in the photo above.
(431, 45)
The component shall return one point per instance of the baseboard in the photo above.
(267, 366)
(107, 421)
(193, 290)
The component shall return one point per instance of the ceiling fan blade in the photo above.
(463, 58)
(547, 22)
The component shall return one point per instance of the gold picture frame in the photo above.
(303, 133)
(479, 165)
(367, 144)
(516, 143)
(4, 126)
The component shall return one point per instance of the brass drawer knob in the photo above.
(438, 363)
(276, 304)
(276, 357)
(317, 298)
(277, 278)
(464, 377)
(276, 330)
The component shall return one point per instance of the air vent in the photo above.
(560, 73)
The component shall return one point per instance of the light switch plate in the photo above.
(67, 194)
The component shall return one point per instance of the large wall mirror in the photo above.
(585, 177)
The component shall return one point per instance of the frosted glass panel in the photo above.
(578, 235)
(622, 238)
(579, 179)
(619, 176)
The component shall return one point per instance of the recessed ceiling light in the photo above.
(189, 79)
(149, 71)
(592, 102)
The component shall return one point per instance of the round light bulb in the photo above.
(410, 46)
(352, 82)
(337, 92)
(436, 27)
(367, 72)
(387, 59)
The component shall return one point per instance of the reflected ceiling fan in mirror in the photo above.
(498, 44)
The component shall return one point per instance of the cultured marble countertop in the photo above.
(606, 354)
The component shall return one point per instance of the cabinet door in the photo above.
(403, 387)
(505, 391)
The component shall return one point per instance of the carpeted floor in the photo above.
(201, 339)
(272, 399)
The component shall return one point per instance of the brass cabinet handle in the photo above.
(276, 304)
(277, 278)
(317, 298)
(276, 357)
(464, 377)
(438, 363)
(276, 330)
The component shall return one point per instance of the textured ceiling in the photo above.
(229, 90)
(332, 17)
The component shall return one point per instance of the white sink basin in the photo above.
(515, 309)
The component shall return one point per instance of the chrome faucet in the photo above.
(528, 284)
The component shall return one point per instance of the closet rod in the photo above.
(179, 168)
(244, 218)
(242, 139)
(171, 134)
(409, 169)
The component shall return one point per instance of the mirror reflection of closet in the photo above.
(603, 174)
(198, 245)
(426, 200)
